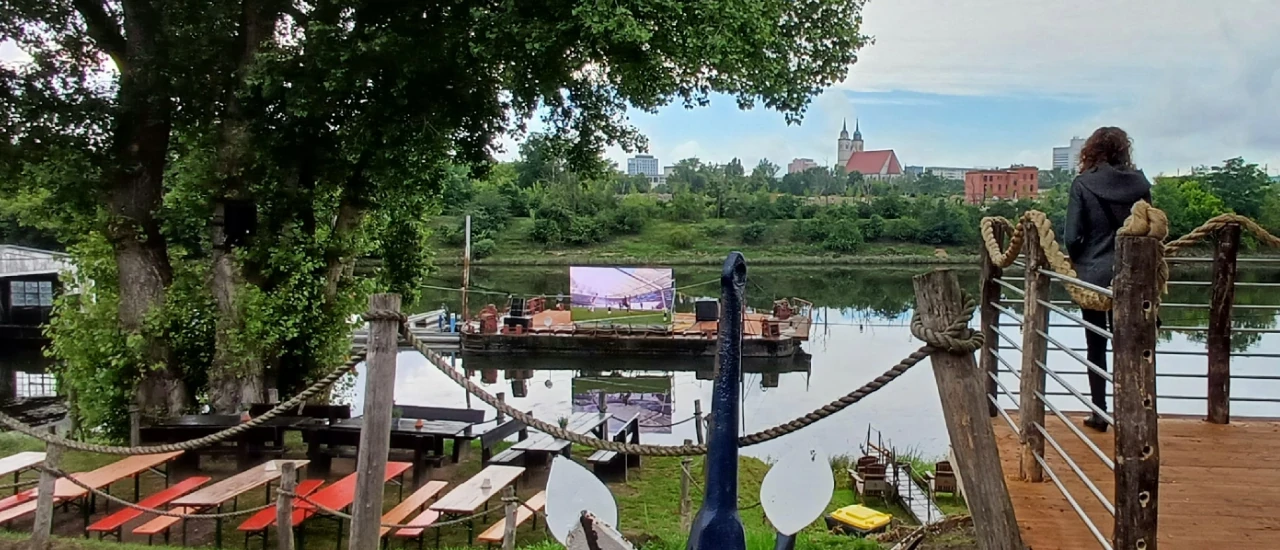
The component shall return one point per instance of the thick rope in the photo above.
(53, 439)
(222, 515)
(1218, 222)
(347, 517)
(956, 338)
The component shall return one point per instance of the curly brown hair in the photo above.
(1107, 145)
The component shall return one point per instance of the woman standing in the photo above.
(1100, 200)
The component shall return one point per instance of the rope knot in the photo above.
(385, 315)
(956, 338)
(1146, 221)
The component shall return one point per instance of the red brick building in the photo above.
(1016, 182)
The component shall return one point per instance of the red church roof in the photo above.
(883, 162)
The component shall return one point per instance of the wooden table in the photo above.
(249, 447)
(214, 496)
(18, 463)
(465, 499)
(424, 441)
(584, 423)
(64, 490)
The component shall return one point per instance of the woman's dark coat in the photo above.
(1100, 200)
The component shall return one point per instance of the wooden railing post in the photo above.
(1035, 319)
(284, 505)
(973, 438)
(698, 421)
(135, 426)
(990, 320)
(686, 506)
(1137, 440)
(509, 525)
(42, 530)
(1224, 292)
(375, 435)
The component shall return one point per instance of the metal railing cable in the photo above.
(1072, 501)
(1076, 468)
(957, 337)
(1010, 286)
(1074, 355)
(1008, 311)
(292, 403)
(1078, 433)
(1074, 281)
(1009, 340)
(1078, 320)
(995, 401)
(167, 513)
(1088, 403)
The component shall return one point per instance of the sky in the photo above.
(996, 82)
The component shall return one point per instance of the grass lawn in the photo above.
(648, 506)
(604, 316)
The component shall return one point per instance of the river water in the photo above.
(860, 330)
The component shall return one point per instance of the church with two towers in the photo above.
(851, 154)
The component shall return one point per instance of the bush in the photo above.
(680, 238)
(687, 207)
(901, 229)
(452, 236)
(483, 248)
(844, 236)
(872, 228)
(715, 229)
(787, 206)
(809, 231)
(754, 233)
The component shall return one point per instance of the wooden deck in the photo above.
(1219, 485)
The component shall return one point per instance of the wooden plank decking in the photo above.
(1219, 486)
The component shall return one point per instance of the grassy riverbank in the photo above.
(648, 506)
(701, 243)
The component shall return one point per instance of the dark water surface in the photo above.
(860, 330)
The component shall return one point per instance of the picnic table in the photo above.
(425, 441)
(65, 491)
(18, 463)
(596, 424)
(216, 495)
(466, 499)
(249, 446)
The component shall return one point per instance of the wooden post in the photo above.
(284, 505)
(686, 507)
(990, 320)
(509, 527)
(502, 398)
(466, 273)
(697, 420)
(135, 426)
(42, 530)
(1035, 351)
(1136, 305)
(602, 401)
(375, 436)
(1224, 291)
(973, 439)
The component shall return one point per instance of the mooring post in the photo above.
(1136, 306)
(717, 525)
(1223, 294)
(509, 526)
(973, 440)
(990, 319)
(375, 435)
(42, 530)
(1035, 352)
(686, 507)
(284, 505)
(698, 421)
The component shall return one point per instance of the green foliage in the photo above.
(680, 238)
(754, 233)
(902, 229)
(948, 223)
(1241, 186)
(1187, 203)
(844, 237)
(809, 231)
(686, 207)
(715, 229)
(483, 248)
(872, 228)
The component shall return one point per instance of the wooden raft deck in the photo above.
(1219, 485)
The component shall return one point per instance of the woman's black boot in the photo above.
(1096, 422)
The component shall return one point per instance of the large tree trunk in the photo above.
(237, 375)
(135, 192)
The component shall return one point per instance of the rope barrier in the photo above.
(347, 517)
(957, 337)
(197, 443)
(671, 425)
(1144, 220)
(221, 515)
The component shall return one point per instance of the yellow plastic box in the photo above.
(861, 518)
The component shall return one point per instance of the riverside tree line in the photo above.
(216, 168)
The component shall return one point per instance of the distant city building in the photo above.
(844, 145)
(643, 164)
(1013, 183)
(799, 165)
(879, 164)
(944, 172)
(1068, 158)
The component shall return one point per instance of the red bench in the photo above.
(340, 495)
(259, 522)
(112, 524)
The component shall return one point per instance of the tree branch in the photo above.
(103, 29)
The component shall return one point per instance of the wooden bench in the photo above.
(412, 503)
(472, 416)
(610, 462)
(113, 524)
(162, 524)
(420, 524)
(331, 413)
(259, 522)
(494, 533)
(499, 433)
